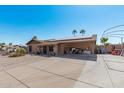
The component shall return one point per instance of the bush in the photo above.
(19, 52)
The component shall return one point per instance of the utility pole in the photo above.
(122, 50)
(122, 41)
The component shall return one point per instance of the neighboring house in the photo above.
(60, 46)
(5, 49)
(110, 47)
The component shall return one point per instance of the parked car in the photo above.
(116, 52)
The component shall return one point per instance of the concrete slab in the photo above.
(37, 78)
(7, 62)
(1, 68)
(80, 71)
(116, 66)
(113, 58)
(45, 63)
(83, 85)
(37, 71)
(117, 78)
(70, 70)
(116, 69)
(96, 74)
(22, 72)
(6, 81)
(45, 80)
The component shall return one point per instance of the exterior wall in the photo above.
(59, 48)
(34, 48)
(109, 48)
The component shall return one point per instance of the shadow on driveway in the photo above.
(87, 57)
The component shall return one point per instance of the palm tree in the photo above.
(34, 37)
(104, 40)
(74, 32)
(82, 32)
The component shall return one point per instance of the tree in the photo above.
(2, 44)
(104, 40)
(10, 44)
(82, 32)
(34, 37)
(74, 32)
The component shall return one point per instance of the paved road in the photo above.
(66, 71)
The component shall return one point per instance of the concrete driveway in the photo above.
(91, 71)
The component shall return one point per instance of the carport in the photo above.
(82, 45)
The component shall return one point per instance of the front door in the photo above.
(51, 48)
(44, 49)
(30, 49)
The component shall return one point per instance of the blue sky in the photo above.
(18, 24)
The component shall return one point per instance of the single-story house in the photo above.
(62, 46)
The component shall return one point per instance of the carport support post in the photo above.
(92, 48)
(47, 50)
(61, 49)
(56, 49)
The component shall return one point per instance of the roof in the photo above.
(38, 41)
(74, 39)
(68, 39)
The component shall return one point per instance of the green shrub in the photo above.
(19, 52)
